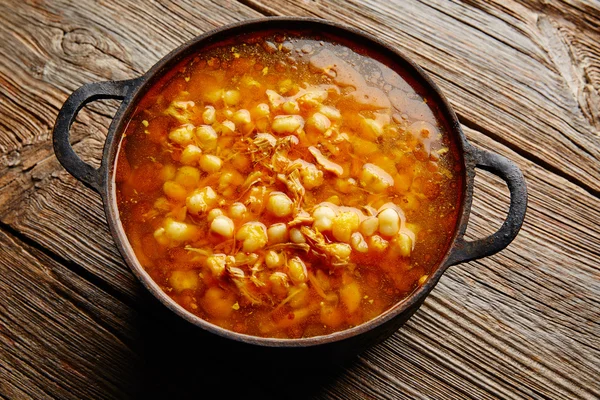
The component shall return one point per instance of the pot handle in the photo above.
(464, 250)
(84, 172)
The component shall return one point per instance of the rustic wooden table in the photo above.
(524, 78)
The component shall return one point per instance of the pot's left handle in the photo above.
(84, 172)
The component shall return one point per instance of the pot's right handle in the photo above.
(464, 250)
(84, 172)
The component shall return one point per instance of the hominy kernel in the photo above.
(319, 122)
(182, 280)
(279, 204)
(291, 107)
(206, 136)
(174, 191)
(210, 163)
(253, 236)
(344, 224)
(358, 243)
(287, 123)
(182, 135)
(201, 200)
(227, 127)
(190, 155)
(209, 115)
(369, 226)
(296, 236)
(231, 97)
(223, 226)
(179, 231)
(389, 222)
(274, 259)
(187, 176)
(277, 233)
(237, 210)
(216, 263)
(214, 213)
(261, 110)
(241, 117)
(297, 270)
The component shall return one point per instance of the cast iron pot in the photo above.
(130, 91)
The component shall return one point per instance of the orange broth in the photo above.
(287, 186)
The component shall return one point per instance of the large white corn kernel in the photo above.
(210, 163)
(187, 176)
(402, 244)
(375, 179)
(182, 280)
(358, 242)
(174, 191)
(161, 237)
(209, 116)
(167, 172)
(287, 123)
(216, 263)
(190, 155)
(296, 236)
(253, 236)
(180, 231)
(279, 204)
(277, 233)
(241, 117)
(207, 137)
(237, 210)
(319, 122)
(182, 135)
(312, 177)
(214, 213)
(279, 283)
(227, 127)
(275, 99)
(231, 97)
(201, 200)
(274, 259)
(340, 250)
(291, 107)
(371, 129)
(377, 243)
(214, 96)
(344, 224)
(330, 112)
(369, 226)
(223, 226)
(389, 222)
(323, 218)
(313, 98)
(297, 270)
(260, 111)
(229, 181)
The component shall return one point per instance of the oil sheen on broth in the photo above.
(286, 186)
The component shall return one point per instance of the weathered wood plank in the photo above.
(516, 74)
(49, 334)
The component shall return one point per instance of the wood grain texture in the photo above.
(524, 79)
